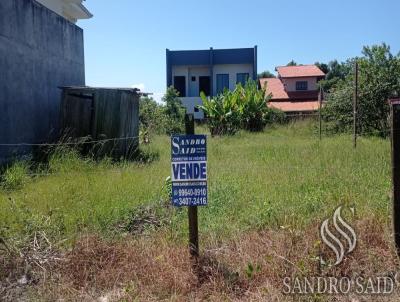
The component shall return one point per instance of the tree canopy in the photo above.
(379, 79)
(266, 74)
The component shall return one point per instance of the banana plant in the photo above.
(244, 107)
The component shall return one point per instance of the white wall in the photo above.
(192, 88)
(196, 72)
(190, 103)
(290, 83)
(192, 98)
(232, 70)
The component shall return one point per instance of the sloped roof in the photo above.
(299, 71)
(293, 101)
(295, 106)
(275, 87)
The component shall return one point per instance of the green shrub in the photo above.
(253, 106)
(16, 176)
(174, 111)
(275, 116)
(152, 117)
(167, 118)
(223, 116)
(243, 108)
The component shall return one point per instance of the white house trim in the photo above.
(72, 10)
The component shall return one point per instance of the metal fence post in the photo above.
(320, 98)
(355, 104)
(395, 148)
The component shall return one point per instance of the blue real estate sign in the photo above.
(189, 170)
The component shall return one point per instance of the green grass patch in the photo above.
(283, 177)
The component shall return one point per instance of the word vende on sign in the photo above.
(189, 170)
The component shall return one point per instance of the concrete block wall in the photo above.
(39, 51)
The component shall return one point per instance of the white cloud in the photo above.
(140, 86)
(157, 96)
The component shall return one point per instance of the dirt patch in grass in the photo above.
(146, 218)
(249, 268)
(23, 268)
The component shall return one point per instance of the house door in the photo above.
(180, 85)
(204, 85)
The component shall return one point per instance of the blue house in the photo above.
(209, 71)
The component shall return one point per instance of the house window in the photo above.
(301, 85)
(196, 109)
(180, 85)
(193, 79)
(242, 78)
(222, 82)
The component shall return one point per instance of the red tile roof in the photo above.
(292, 101)
(275, 87)
(299, 71)
(295, 106)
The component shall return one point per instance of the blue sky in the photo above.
(125, 41)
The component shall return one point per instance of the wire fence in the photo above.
(80, 141)
(83, 141)
(120, 169)
(115, 169)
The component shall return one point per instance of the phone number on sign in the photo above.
(193, 201)
(190, 192)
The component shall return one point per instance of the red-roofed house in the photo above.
(295, 89)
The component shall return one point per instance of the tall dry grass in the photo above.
(268, 192)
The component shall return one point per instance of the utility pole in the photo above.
(395, 138)
(192, 210)
(355, 102)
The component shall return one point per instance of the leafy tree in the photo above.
(265, 74)
(152, 118)
(173, 105)
(174, 111)
(338, 70)
(167, 118)
(291, 63)
(379, 73)
(335, 72)
(324, 67)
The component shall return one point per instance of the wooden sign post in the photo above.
(189, 176)
(192, 210)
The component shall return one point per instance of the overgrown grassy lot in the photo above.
(108, 231)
